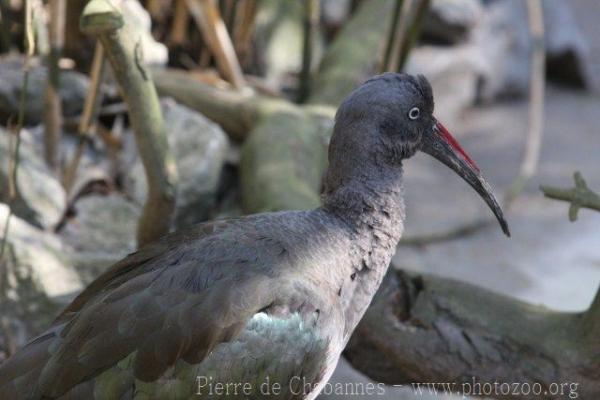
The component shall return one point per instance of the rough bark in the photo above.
(102, 20)
(423, 328)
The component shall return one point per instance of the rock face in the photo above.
(36, 278)
(503, 36)
(102, 231)
(73, 89)
(450, 21)
(41, 199)
(200, 148)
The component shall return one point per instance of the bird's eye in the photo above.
(414, 113)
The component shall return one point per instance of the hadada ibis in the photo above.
(261, 305)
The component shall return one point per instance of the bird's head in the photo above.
(388, 119)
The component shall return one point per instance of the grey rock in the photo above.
(503, 35)
(41, 199)
(102, 224)
(102, 231)
(37, 278)
(73, 88)
(200, 148)
(450, 21)
(567, 49)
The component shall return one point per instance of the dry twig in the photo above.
(90, 113)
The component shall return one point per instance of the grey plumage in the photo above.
(271, 297)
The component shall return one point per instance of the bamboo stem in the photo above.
(243, 29)
(533, 144)
(395, 47)
(90, 113)
(312, 15)
(52, 101)
(207, 17)
(101, 19)
(179, 29)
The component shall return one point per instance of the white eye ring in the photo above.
(414, 113)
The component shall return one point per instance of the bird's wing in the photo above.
(175, 299)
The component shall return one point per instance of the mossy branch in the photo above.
(124, 52)
(355, 54)
(579, 196)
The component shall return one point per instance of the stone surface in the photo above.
(450, 21)
(73, 89)
(37, 279)
(102, 231)
(200, 149)
(504, 38)
(41, 199)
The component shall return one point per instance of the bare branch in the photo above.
(579, 196)
(101, 19)
(90, 112)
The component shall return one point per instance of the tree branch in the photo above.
(579, 196)
(355, 54)
(422, 328)
(101, 19)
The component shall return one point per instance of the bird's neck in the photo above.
(373, 209)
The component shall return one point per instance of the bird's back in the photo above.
(222, 305)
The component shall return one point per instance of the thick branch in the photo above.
(428, 329)
(284, 156)
(101, 19)
(579, 196)
(355, 54)
(236, 112)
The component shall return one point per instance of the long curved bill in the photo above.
(441, 145)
